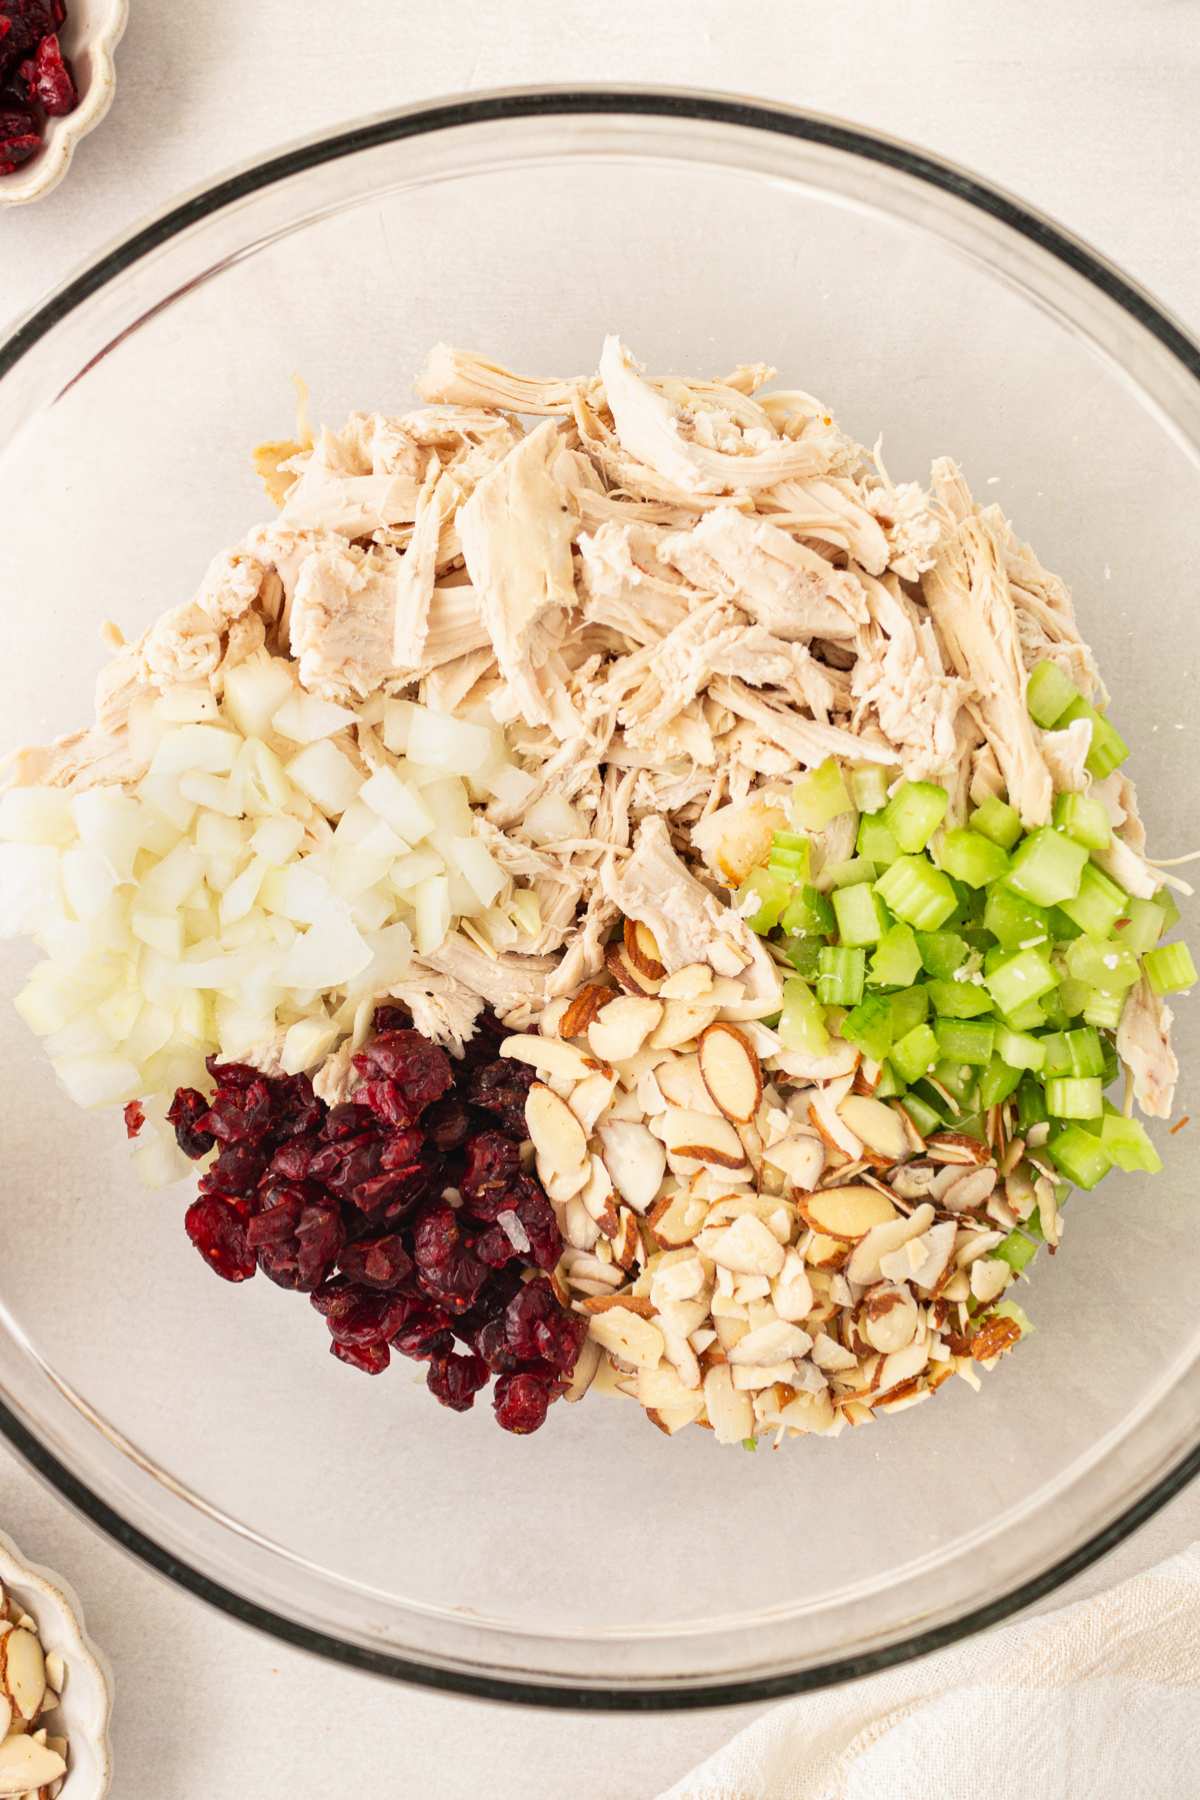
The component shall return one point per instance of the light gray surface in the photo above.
(1086, 111)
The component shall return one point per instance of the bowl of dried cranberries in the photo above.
(57, 80)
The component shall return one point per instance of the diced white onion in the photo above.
(399, 804)
(255, 690)
(551, 819)
(305, 717)
(431, 907)
(454, 746)
(208, 748)
(480, 868)
(328, 778)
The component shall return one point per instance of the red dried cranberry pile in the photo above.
(36, 82)
(348, 1204)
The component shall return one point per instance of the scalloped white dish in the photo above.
(87, 1693)
(92, 31)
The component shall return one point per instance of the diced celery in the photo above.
(959, 999)
(909, 1008)
(1062, 929)
(1083, 819)
(1031, 1103)
(771, 894)
(1169, 969)
(971, 857)
(791, 856)
(1013, 920)
(1103, 1010)
(1098, 904)
(810, 913)
(1046, 867)
(915, 1053)
(965, 1040)
(997, 820)
(868, 787)
(1019, 1049)
(1107, 966)
(1141, 926)
(1073, 996)
(1017, 1251)
(861, 915)
(890, 1084)
(841, 975)
(1108, 750)
(869, 1025)
(957, 1077)
(1170, 906)
(802, 1022)
(942, 952)
(1025, 975)
(1072, 1053)
(923, 1116)
(820, 796)
(914, 813)
(1127, 1142)
(997, 1082)
(876, 842)
(917, 892)
(1026, 1017)
(1074, 1097)
(897, 961)
(1048, 694)
(803, 953)
(1080, 1156)
(846, 874)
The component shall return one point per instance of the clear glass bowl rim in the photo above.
(584, 100)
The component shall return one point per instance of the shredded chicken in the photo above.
(1144, 1046)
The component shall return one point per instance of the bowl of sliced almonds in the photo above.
(55, 1691)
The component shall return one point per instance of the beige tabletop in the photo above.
(1087, 109)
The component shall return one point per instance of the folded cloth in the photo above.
(1099, 1701)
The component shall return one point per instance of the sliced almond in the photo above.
(970, 1190)
(800, 1157)
(22, 1672)
(577, 1225)
(730, 1413)
(847, 1213)
(26, 1765)
(682, 1021)
(746, 1247)
(989, 1278)
(674, 1418)
(928, 1257)
(583, 1009)
(549, 1056)
(809, 1412)
(954, 1147)
(863, 1268)
(731, 1070)
(662, 1387)
(589, 1099)
(638, 1303)
(726, 957)
(994, 1337)
(888, 1318)
(627, 1243)
(620, 1030)
(627, 977)
(552, 1015)
(597, 1195)
(677, 1218)
(753, 1377)
(629, 1337)
(681, 1084)
(903, 1395)
(823, 1252)
(691, 982)
(641, 948)
(701, 1136)
(827, 1353)
(878, 1126)
(635, 1159)
(777, 1342)
(791, 1291)
(778, 1217)
(584, 1372)
(558, 1138)
(901, 1366)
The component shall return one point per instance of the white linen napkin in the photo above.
(1099, 1701)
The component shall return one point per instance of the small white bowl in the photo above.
(92, 32)
(83, 1715)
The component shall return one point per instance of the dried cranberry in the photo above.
(358, 1317)
(426, 1331)
(377, 1262)
(218, 1231)
(402, 1073)
(293, 1160)
(490, 1342)
(521, 1402)
(402, 1150)
(483, 1046)
(52, 84)
(295, 1109)
(447, 1267)
(296, 1237)
(346, 1120)
(536, 1216)
(240, 1113)
(135, 1118)
(185, 1112)
(447, 1124)
(237, 1169)
(495, 1248)
(502, 1087)
(493, 1164)
(455, 1380)
(372, 1359)
(323, 1297)
(391, 1018)
(538, 1328)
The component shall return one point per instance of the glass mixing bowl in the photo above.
(597, 1563)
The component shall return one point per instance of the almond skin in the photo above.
(731, 1070)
